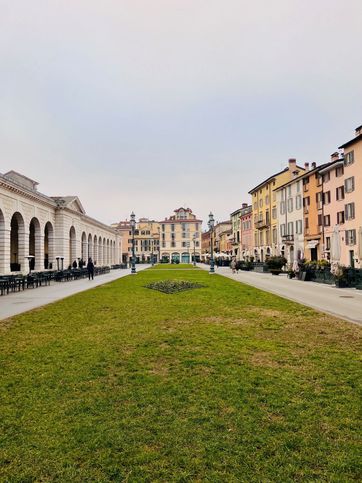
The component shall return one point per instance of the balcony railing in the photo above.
(288, 238)
(262, 224)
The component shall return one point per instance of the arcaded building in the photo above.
(46, 231)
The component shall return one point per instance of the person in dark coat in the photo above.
(90, 268)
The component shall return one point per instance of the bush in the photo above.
(276, 263)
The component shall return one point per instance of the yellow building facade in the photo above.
(264, 211)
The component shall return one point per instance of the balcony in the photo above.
(288, 239)
(259, 225)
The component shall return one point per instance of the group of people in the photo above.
(90, 266)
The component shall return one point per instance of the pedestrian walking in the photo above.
(90, 268)
(233, 265)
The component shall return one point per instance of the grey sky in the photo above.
(148, 105)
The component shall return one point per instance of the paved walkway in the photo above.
(19, 302)
(345, 303)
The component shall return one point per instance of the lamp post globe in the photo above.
(133, 260)
(211, 224)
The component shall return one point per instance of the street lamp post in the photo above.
(211, 224)
(133, 226)
(194, 240)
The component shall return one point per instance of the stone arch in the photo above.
(90, 247)
(84, 251)
(100, 251)
(72, 245)
(35, 244)
(95, 249)
(4, 255)
(18, 244)
(175, 256)
(48, 245)
(104, 250)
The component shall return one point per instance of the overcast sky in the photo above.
(148, 105)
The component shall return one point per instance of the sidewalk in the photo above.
(19, 302)
(345, 303)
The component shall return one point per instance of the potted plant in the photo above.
(340, 274)
(275, 264)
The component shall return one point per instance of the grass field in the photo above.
(221, 383)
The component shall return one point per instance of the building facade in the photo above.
(236, 233)
(265, 215)
(246, 232)
(180, 237)
(45, 232)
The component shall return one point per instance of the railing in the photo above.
(262, 224)
(288, 238)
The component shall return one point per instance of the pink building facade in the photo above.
(246, 232)
(342, 203)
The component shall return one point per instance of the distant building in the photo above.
(246, 232)
(236, 233)
(181, 236)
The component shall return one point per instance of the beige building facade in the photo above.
(180, 237)
(44, 232)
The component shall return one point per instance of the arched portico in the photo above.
(90, 247)
(4, 254)
(48, 246)
(72, 245)
(18, 244)
(95, 249)
(35, 245)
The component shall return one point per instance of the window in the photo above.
(267, 199)
(172, 227)
(320, 220)
(328, 243)
(306, 201)
(260, 203)
(327, 197)
(319, 179)
(267, 219)
(184, 244)
(340, 193)
(326, 177)
(196, 227)
(290, 205)
(282, 207)
(306, 223)
(289, 191)
(349, 211)
(350, 237)
(256, 239)
(319, 198)
(163, 227)
(298, 186)
(339, 171)
(349, 158)
(349, 185)
(290, 228)
(282, 229)
(298, 226)
(163, 244)
(173, 244)
(274, 212)
(298, 202)
(327, 220)
(255, 205)
(274, 195)
(274, 236)
(340, 217)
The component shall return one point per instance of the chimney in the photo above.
(358, 131)
(292, 164)
(244, 205)
(314, 165)
(306, 166)
(335, 156)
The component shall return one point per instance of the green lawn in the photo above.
(222, 383)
